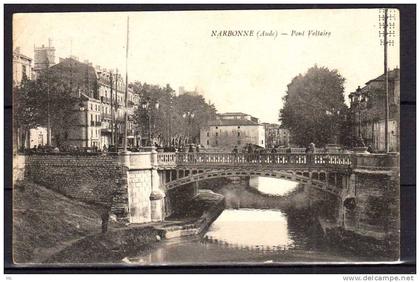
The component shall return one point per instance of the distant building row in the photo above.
(100, 112)
(230, 130)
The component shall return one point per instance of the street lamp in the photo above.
(359, 100)
(333, 113)
(146, 105)
(189, 116)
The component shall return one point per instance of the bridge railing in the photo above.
(171, 159)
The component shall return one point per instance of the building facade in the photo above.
(276, 136)
(111, 88)
(232, 129)
(100, 111)
(44, 57)
(367, 107)
(22, 67)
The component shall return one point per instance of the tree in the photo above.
(202, 111)
(25, 111)
(168, 122)
(314, 107)
(52, 94)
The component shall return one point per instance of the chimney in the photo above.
(49, 42)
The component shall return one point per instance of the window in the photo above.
(216, 127)
(208, 134)
(239, 142)
(217, 134)
(216, 142)
(239, 127)
(239, 134)
(262, 141)
(208, 142)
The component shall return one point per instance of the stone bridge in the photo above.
(322, 171)
(144, 181)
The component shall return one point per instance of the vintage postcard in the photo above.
(219, 137)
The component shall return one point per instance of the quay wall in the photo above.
(93, 178)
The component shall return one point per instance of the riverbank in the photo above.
(52, 228)
(375, 248)
(45, 222)
(119, 243)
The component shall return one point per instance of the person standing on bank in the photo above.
(105, 219)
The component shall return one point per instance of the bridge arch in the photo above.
(279, 174)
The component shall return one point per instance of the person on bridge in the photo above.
(273, 152)
(309, 151)
(235, 150)
(235, 153)
(249, 153)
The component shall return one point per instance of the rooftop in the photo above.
(392, 75)
(230, 122)
(234, 114)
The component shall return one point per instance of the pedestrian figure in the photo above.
(105, 219)
(312, 147)
(273, 155)
(235, 150)
(360, 142)
(249, 153)
(235, 153)
(309, 151)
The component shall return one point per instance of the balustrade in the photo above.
(232, 159)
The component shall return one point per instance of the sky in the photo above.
(237, 74)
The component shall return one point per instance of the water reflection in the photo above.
(272, 186)
(265, 229)
(253, 228)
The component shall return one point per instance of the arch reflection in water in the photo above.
(272, 186)
(251, 228)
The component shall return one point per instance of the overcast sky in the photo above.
(247, 74)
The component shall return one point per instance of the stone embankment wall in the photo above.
(92, 178)
(126, 183)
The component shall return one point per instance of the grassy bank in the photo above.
(45, 222)
(51, 228)
(110, 247)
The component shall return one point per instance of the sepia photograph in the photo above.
(206, 137)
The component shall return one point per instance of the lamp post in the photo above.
(333, 113)
(189, 116)
(359, 97)
(147, 106)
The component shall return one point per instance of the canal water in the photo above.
(264, 222)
